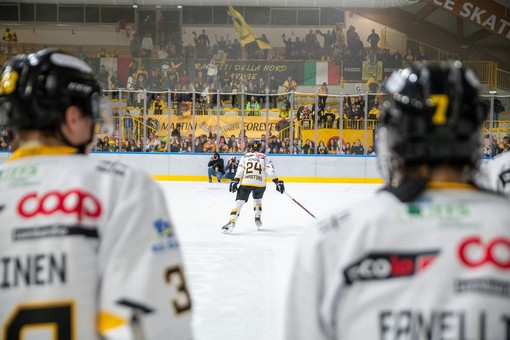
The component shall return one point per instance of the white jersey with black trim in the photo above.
(495, 174)
(435, 269)
(87, 251)
(253, 169)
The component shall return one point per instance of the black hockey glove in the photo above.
(279, 185)
(233, 185)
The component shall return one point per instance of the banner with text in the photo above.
(305, 73)
(228, 125)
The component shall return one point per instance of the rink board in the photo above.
(291, 168)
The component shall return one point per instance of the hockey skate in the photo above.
(258, 223)
(227, 228)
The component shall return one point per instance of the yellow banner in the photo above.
(228, 125)
(244, 31)
(254, 127)
(347, 135)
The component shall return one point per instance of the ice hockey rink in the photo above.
(238, 281)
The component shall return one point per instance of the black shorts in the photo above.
(244, 192)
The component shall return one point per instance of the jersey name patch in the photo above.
(383, 266)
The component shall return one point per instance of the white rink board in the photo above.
(329, 166)
(356, 167)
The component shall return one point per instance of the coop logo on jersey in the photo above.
(166, 236)
(383, 266)
(71, 202)
(474, 252)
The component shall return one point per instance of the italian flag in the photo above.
(317, 73)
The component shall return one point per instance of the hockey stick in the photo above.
(285, 192)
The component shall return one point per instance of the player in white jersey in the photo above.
(428, 258)
(87, 247)
(251, 174)
(495, 174)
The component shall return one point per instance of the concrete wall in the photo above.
(293, 168)
(105, 34)
(274, 33)
(71, 34)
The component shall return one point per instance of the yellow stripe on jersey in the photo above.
(41, 150)
(107, 321)
(450, 185)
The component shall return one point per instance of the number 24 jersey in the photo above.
(253, 169)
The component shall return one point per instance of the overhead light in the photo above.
(135, 6)
(492, 92)
(179, 7)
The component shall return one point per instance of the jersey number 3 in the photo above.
(175, 276)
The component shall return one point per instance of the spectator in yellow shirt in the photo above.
(289, 85)
(252, 107)
(323, 96)
(372, 84)
(209, 146)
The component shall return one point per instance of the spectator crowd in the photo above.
(200, 89)
(234, 145)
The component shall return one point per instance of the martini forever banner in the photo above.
(228, 125)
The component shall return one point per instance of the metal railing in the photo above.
(502, 80)
(145, 119)
(219, 119)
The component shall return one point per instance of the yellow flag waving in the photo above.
(245, 33)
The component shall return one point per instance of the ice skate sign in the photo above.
(489, 15)
(383, 266)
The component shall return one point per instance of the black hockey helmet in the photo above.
(36, 89)
(256, 146)
(432, 114)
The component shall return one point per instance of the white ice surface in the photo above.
(238, 281)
